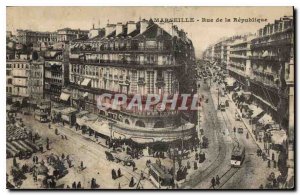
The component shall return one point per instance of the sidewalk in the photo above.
(246, 123)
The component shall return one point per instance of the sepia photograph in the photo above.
(150, 98)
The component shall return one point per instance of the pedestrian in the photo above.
(133, 166)
(188, 164)
(269, 163)
(47, 146)
(56, 131)
(62, 156)
(195, 165)
(213, 182)
(36, 160)
(74, 185)
(35, 178)
(49, 126)
(217, 180)
(62, 137)
(261, 187)
(113, 174)
(15, 162)
(78, 185)
(81, 165)
(41, 149)
(92, 183)
(119, 172)
(69, 163)
(131, 183)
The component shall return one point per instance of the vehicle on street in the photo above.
(240, 130)
(159, 177)
(109, 156)
(125, 158)
(237, 117)
(227, 103)
(237, 156)
(222, 106)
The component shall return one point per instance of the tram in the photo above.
(237, 156)
(159, 177)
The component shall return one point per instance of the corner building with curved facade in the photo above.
(135, 58)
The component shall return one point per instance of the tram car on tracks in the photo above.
(237, 156)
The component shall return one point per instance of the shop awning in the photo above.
(85, 82)
(230, 81)
(85, 94)
(256, 111)
(278, 137)
(100, 126)
(64, 96)
(142, 140)
(68, 110)
(265, 119)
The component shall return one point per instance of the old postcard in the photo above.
(150, 98)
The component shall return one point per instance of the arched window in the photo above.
(127, 122)
(140, 123)
(159, 124)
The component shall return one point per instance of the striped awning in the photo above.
(64, 96)
(85, 82)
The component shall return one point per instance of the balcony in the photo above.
(150, 113)
(238, 56)
(160, 82)
(121, 63)
(122, 49)
(271, 43)
(267, 58)
(266, 78)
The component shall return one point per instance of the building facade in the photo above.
(271, 55)
(32, 37)
(53, 75)
(239, 65)
(133, 58)
(68, 34)
(17, 78)
(36, 79)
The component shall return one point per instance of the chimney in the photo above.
(167, 27)
(175, 31)
(144, 25)
(119, 28)
(109, 29)
(131, 26)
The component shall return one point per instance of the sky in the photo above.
(201, 33)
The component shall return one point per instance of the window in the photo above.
(140, 123)
(134, 82)
(150, 82)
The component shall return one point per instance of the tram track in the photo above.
(209, 114)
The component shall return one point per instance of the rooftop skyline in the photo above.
(201, 33)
